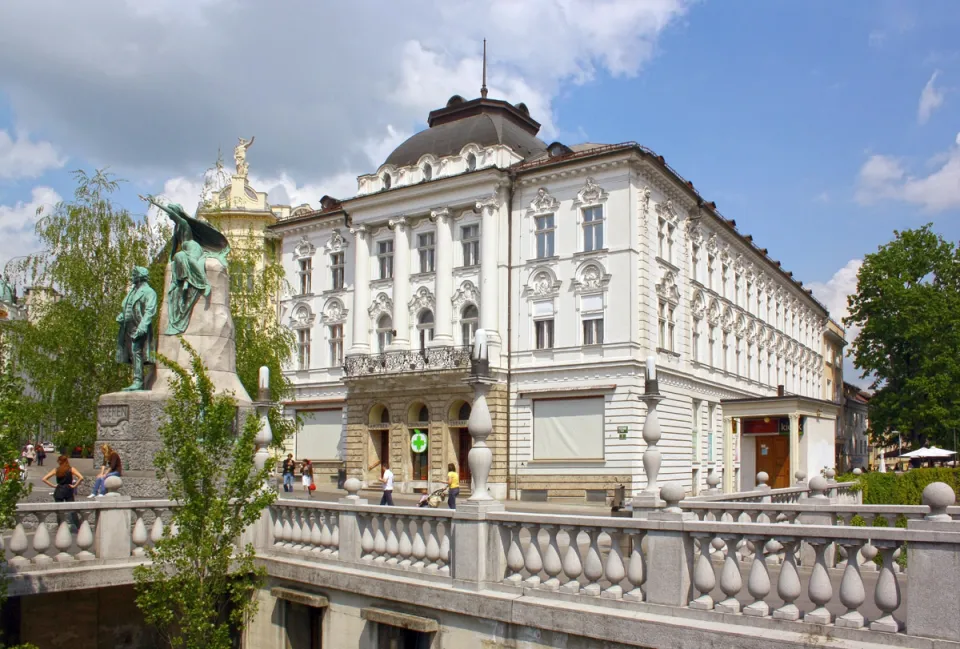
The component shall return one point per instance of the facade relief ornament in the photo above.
(544, 203)
(468, 293)
(382, 304)
(713, 243)
(699, 306)
(667, 211)
(304, 248)
(728, 319)
(542, 283)
(591, 194)
(441, 215)
(713, 315)
(667, 288)
(336, 242)
(302, 317)
(360, 232)
(591, 277)
(421, 300)
(398, 224)
(741, 325)
(487, 205)
(644, 203)
(334, 312)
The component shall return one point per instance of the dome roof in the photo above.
(484, 122)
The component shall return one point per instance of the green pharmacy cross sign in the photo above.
(418, 442)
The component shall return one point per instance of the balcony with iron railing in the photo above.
(406, 361)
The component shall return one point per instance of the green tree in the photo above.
(200, 583)
(907, 306)
(66, 348)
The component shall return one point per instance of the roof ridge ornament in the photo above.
(483, 87)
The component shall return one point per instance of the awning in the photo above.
(931, 453)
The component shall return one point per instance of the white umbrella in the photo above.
(929, 453)
(883, 463)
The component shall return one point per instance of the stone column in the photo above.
(728, 472)
(669, 553)
(443, 333)
(795, 444)
(349, 549)
(361, 290)
(401, 284)
(933, 600)
(489, 289)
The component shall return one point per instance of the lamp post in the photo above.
(265, 435)
(480, 424)
(649, 498)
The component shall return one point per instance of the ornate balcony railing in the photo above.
(399, 362)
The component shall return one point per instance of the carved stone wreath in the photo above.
(334, 312)
(542, 283)
(592, 277)
(301, 317)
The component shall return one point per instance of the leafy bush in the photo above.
(901, 489)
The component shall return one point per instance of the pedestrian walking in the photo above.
(387, 498)
(68, 478)
(288, 469)
(112, 466)
(31, 455)
(453, 485)
(306, 474)
(41, 454)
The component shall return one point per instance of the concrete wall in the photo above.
(817, 448)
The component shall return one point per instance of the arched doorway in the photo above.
(418, 421)
(460, 436)
(378, 456)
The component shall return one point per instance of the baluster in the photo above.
(614, 570)
(41, 541)
(19, 545)
(445, 550)
(852, 593)
(156, 530)
(393, 543)
(819, 589)
(320, 532)
(730, 580)
(514, 555)
(288, 528)
(419, 546)
(380, 541)
(531, 558)
(296, 537)
(433, 546)
(572, 565)
(85, 540)
(887, 594)
(758, 583)
(636, 573)
(552, 565)
(139, 537)
(405, 547)
(366, 540)
(869, 553)
(788, 585)
(592, 565)
(278, 531)
(334, 534)
(704, 579)
(63, 541)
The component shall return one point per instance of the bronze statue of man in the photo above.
(135, 343)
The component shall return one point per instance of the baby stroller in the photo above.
(434, 499)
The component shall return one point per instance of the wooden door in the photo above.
(773, 457)
(385, 449)
(464, 444)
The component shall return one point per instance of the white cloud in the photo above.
(23, 158)
(151, 88)
(18, 221)
(833, 294)
(884, 177)
(931, 98)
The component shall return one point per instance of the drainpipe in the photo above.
(512, 175)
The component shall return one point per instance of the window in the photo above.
(568, 429)
(470, 238)
(666, 326)
(695, 263)
(426, 246)
(724, 280)
(593, 331)
(420, 462)
(425, 328)
(711, 265)
(336, 344)
(712, 417)
(306, 276)
(384, 332)
(545, 232)
(737, 283)
(387, 181)
(303, 348)
(737, 365)
(385, 259)
(591, 312)
(468, 323)
(427, 172)
(695, 340)
(695, 433)
(726, 351)
(593, 228)
(665, 239)
(471, 162)
(544, 333)
(749, 295)
(713, 346)
(336, 271)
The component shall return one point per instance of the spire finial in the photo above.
(483, 88)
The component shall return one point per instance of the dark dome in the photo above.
(483, 122)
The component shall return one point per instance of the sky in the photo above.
(820, 127)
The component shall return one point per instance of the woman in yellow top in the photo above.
(453, 485)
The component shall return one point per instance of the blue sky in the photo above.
(819, 126)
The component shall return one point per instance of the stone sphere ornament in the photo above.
(673, 493)
(938, 496)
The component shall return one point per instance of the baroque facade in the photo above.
(579, 263)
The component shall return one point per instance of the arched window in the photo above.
(384, 416)
(427, 172)
(387, 181)
(464, 413)
(471, 162)
(425, 327)
(384, 332)
(469, 319)
(424, 414)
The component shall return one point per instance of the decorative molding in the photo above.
(542, 283)
(667, 288)
(360, 232)
(422, 299)
(334, 312)
(698, 306)
(644, 204)
(381, 304)
(544, 203)
(667, 211)
(488, 204)
(728, 319)
(591, 194)
(398, 224)
(713, 314)
(441, 215)
(336, 243)
(301, 316)
(468, 293)
(304, 248)
(591, 276)
(712, 245)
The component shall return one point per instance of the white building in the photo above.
(579, 262)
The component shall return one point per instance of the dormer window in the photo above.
(427, 172)
(387, 181)
(471, 162)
